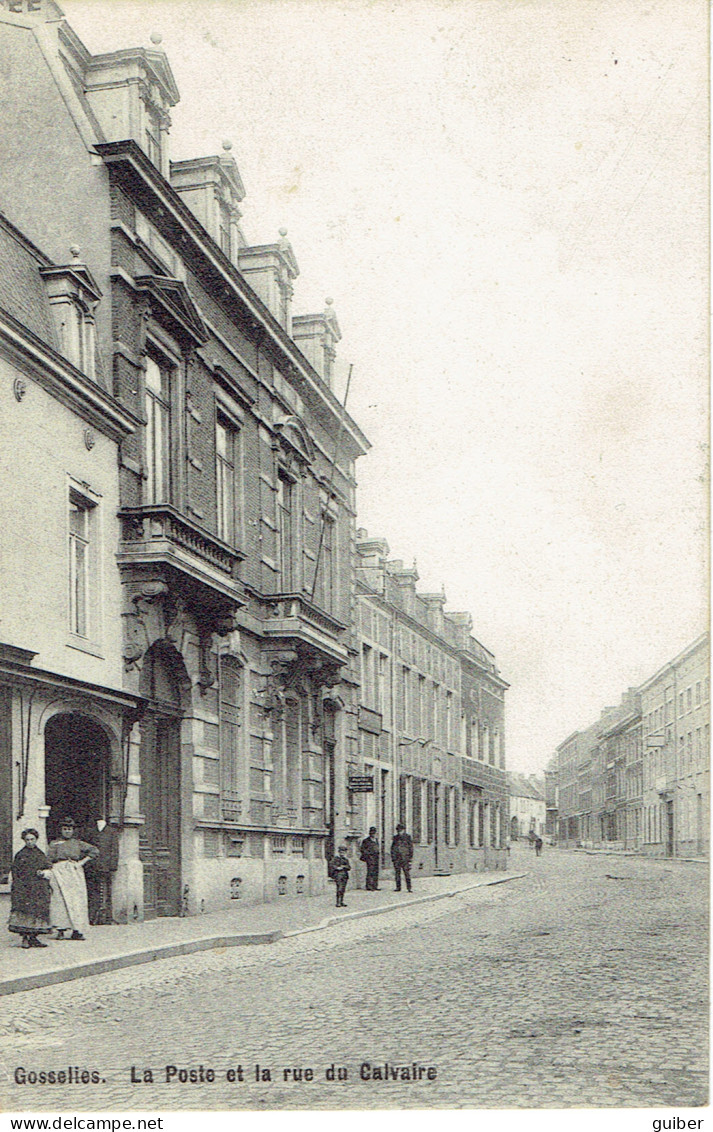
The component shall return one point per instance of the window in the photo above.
(153, 137)
(158, 430)
(230, 682)
(284, 516)
(81, 536)
(366, 676)
(416, 831)
(226, 456)
(327, 565)
(224, 227)
(698, 693)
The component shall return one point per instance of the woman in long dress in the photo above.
(68, 904)
(30, 895)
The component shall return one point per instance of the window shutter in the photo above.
(416, 832)
(230, 684)
(402, 799)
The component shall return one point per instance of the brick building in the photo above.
(234, 682)
(431, 723)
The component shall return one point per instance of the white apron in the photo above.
(68, 901)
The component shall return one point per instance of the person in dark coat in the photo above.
(538, 846)
(401, 856)
(30, 895)
(99, 872)
(369, 853)
(339, 867)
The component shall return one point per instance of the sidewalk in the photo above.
(125, 945)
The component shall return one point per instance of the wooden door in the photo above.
(159, 847)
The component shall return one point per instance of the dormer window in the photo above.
(73, 297)
(153, 136)
(224, 227)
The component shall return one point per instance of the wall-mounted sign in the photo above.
(361, 783)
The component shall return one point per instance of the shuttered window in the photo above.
(230, 692)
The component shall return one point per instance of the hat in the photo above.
(399, 826)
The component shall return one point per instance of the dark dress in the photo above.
(30, 896)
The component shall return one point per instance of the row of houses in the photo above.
(639, 778)
(196, 642)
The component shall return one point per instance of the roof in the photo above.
(523, 787)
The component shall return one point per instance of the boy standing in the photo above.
(339, 872)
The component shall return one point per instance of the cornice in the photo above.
(64, 381)
(129, 155)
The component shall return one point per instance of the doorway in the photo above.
(160, 766)
(77, 772)
(669, 828)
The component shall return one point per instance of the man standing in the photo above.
(100, 872)
(369, 853)
(401, 855)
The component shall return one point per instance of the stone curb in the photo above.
(631, 854)
(216, 942)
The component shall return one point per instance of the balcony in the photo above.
(293, 618)
(159, 535)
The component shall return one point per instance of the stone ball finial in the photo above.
(283, 232)
(227, 145)
(74, 251)
(156, 38)
(329, 302)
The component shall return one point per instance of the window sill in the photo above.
(88, 647)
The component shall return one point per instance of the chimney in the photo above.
(213, 189)
(270, 269)
(317, 336)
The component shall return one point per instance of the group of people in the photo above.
(370, 854)
(51, 892)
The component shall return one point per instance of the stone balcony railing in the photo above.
(158, 532)
(293, 617)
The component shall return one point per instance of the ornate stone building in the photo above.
(233, 548)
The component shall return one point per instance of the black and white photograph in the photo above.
(354, 641)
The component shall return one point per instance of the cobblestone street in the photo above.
(583, 984)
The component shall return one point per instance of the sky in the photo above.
(507, 201)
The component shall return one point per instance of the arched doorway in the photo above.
(162, 679)
(77, 772)
(514, 828)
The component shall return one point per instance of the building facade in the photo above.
(62, 698)
(644, 768)
(527, 807)
(675, 711)
(431, 724)
(229, 571)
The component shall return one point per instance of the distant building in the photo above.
(675, 710)
(551, 800)
(528, 811)
(431, 723)
(639, 778)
